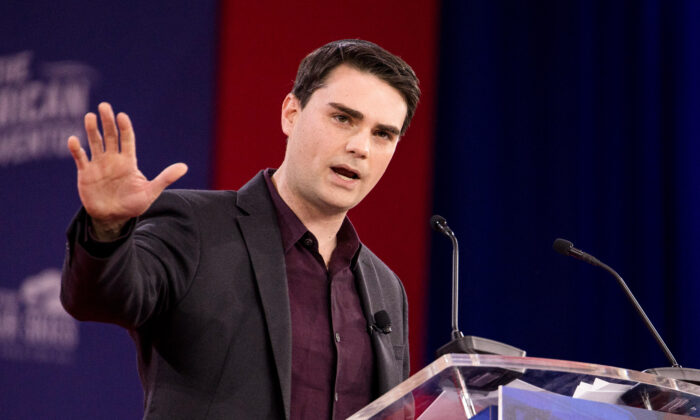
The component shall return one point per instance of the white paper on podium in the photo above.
(600, 391)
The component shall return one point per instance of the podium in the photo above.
(477, 386)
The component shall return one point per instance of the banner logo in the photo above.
(33, 324)
(39, 113)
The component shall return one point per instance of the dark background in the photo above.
(575, 120)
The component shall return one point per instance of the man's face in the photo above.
(341, 142)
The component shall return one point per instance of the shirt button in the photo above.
(308, 242)
(337, 337)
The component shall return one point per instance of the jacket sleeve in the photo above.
(138, 277)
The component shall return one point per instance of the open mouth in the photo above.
(345, 173)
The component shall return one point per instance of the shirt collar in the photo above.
(292, 229)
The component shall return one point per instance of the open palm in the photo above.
(111, 187)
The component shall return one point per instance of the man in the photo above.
(258, 303)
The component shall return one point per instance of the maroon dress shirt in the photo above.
(332, 357)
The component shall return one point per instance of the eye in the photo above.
(384, 134)
(341, 118)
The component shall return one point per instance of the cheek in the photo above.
(386, 155)
(310, 136)
(381, 162)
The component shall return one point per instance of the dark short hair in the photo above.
(364, 56)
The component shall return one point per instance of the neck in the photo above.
(323, 224)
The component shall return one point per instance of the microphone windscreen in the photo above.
(438, 222)
(562, 246)
(382, 320)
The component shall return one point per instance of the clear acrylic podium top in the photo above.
(459, 386)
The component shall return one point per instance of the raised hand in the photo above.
(111, 187)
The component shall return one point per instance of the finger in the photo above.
(126, 133)
(109, 128)
(78, 153)
(93, 135)
(169, 175)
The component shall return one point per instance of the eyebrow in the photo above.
(389, 128)
(359, 116)
(351, 112)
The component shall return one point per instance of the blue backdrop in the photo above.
(574, 119)
(57, 61)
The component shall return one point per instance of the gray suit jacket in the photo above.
(199, 281)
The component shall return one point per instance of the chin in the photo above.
(336, 204)
(339, 207)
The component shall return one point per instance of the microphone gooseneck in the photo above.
(472, 344)
(439, 224)
(565, 247)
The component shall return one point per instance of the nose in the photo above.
(359, 144)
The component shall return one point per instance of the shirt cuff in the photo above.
(101, 249)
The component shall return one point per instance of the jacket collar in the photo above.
(264, 242)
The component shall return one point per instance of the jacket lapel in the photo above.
(264, 242)
(372, 302)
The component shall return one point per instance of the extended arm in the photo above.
(150, 264)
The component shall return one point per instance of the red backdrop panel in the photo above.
(261, 44)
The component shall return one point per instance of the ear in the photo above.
(290, 111)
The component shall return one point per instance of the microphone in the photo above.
(565, 247)
(676, 372)
(439, 224)
(460, 343)
(382, 322)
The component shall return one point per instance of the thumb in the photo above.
(169, 175)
